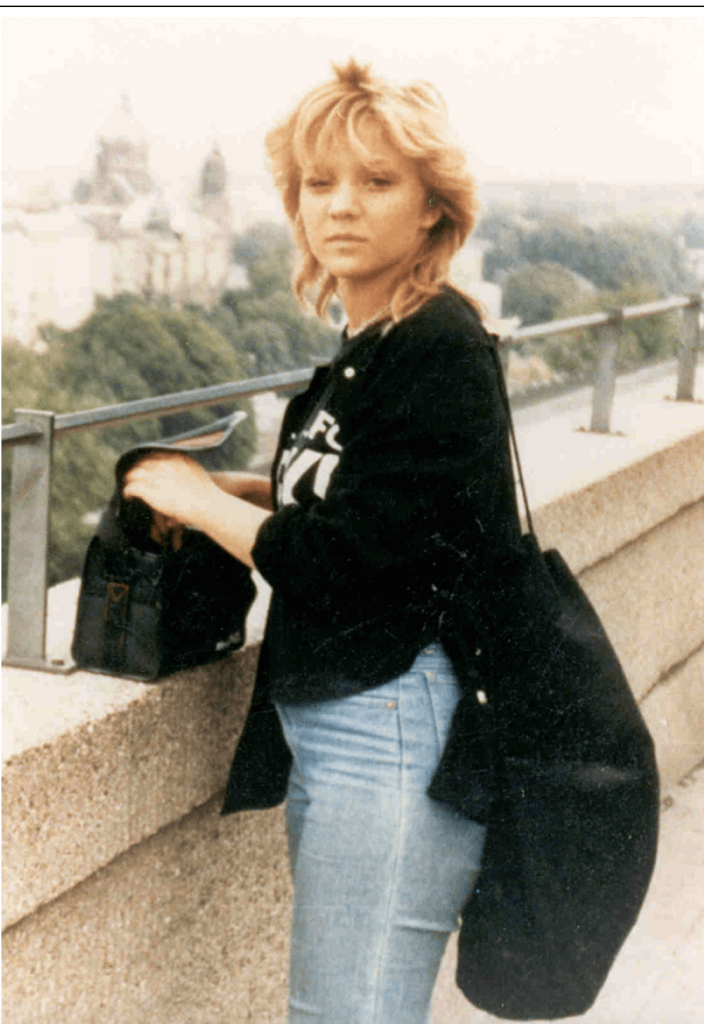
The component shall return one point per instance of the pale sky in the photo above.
(585, 95)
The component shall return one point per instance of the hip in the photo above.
(390, 736)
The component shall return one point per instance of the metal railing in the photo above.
(34, 432)
(609, 328)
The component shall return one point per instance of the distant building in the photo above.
(695, 262)
(468, 274)
(50, 271)
(120, 234)
(215, 203)
(524, 372)
(121, 164)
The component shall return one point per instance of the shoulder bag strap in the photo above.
(512, 434)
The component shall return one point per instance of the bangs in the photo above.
(342, 121)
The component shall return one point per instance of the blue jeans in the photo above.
(380, 870)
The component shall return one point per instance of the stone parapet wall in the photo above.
(128, 898)
(76, 802)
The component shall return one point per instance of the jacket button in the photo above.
(482, 697)
(477, 653)
(391, 704)
(349, 372)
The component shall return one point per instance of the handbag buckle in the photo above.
(116, 597)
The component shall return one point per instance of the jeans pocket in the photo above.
(370, 699)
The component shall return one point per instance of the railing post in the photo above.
(688, 350)
(605, 378)
(29, 544)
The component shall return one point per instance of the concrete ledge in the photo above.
(591, 523)
(188, 927)
(94, 764)
(650, 596)
(102, 773)
(674, 711)
(561, 458)
(74, 803)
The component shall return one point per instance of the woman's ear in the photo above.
(430, 217)
(432, 212)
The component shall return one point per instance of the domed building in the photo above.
(122, 233)
(214, 200)
(122, 161)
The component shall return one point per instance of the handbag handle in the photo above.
(512, 434)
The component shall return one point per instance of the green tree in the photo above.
(266, 343)
(611, 256)
(266, 251)
(536, 291)
(82, 465)
(573, 356)
(132, 348)
(285, 333)
(691, 227)
(129, 348)
(268, 323)
(503, 228)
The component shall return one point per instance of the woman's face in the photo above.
(364, 221)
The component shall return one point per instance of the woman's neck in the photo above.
(363, 305)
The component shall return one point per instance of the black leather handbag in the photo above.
(571, 848)
(146, 610)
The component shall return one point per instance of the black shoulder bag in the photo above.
(146, 610)
(570, 852)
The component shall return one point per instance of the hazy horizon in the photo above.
(564, 99)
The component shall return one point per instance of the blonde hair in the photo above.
(415, 118)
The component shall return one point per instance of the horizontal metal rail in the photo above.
(34, 432)
(579, 323)
(574, 323)
(148, 408)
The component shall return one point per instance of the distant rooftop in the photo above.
(123, 125)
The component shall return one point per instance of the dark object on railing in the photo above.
(33, 435)
(570, 851)
(148, 609)
(145, 614)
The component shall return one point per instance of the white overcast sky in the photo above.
(590, 94)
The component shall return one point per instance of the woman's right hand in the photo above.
(177, 487)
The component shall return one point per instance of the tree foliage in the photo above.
(546, 262)
(266, 251)
(132, 348)
(691, 226)
(538, 292)
(615, 255)
(128, 349)
(270, 326)
(82, 465)
(573, 357)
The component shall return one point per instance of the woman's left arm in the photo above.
(179, 488)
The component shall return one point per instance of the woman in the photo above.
(388, 524)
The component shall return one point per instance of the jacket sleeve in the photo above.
(420, 489)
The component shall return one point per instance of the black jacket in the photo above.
(404, 529)
(412, 536)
